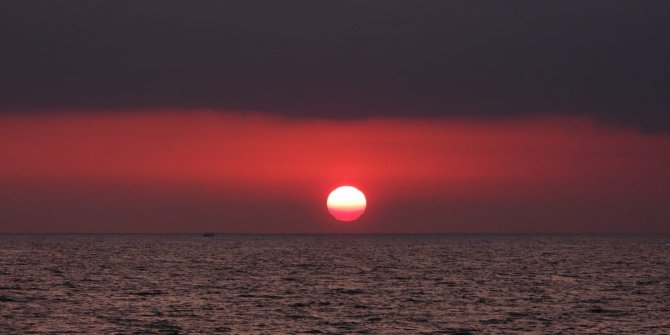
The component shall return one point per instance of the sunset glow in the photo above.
(153, 170)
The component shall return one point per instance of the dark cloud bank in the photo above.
(606, 59)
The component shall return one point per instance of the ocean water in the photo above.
(334, 284)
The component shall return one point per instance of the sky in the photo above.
(241, 116)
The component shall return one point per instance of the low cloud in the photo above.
(342, 59)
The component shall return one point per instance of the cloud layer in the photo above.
(342, 59)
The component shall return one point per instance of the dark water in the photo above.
(444, 284)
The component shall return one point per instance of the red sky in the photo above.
(172, 171)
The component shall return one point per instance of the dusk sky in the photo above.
(241, 116)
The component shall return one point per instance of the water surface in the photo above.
(276, 284)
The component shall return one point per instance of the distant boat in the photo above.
(208, 234)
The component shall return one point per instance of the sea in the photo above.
(334, 284)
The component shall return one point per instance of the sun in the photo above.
(346, 203)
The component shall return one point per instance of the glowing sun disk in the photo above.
(346, 203)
